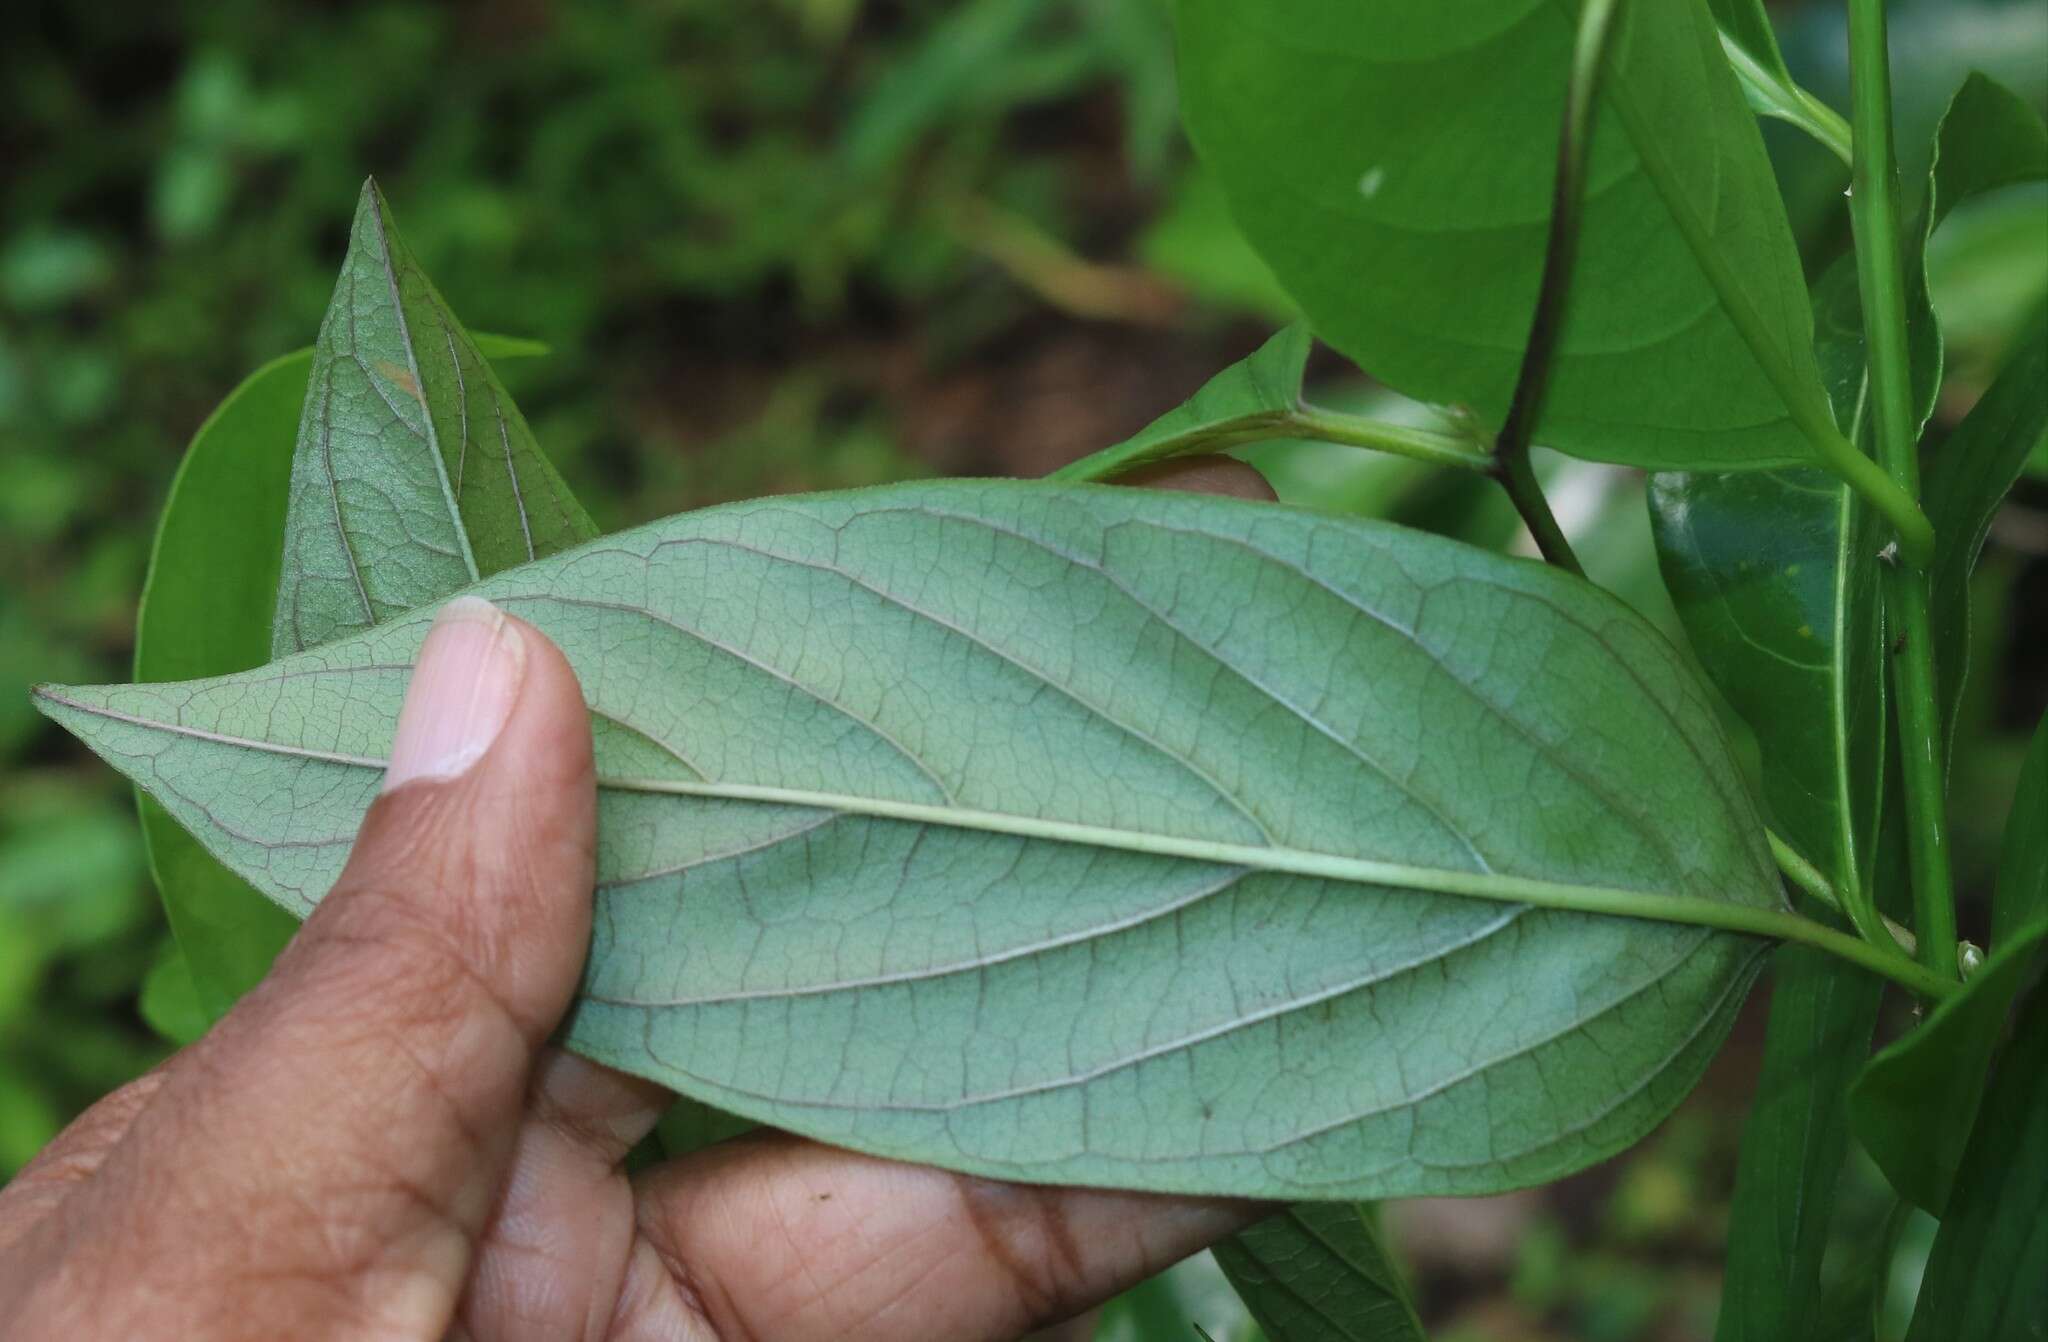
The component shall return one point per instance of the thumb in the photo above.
(345, 1128)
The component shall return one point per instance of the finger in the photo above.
(553, 1257)
(774, 1236)
(1202, 475)
(333, 1148)
(73, 1156)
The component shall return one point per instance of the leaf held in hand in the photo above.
(1085, 835)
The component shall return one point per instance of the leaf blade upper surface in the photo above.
(1189, 676)
(1414, 238)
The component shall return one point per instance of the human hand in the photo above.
(379, 1142)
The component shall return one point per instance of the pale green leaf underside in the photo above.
(1393, 163)
(414, 473)
(1063, 832)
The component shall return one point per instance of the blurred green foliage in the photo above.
(784, 245)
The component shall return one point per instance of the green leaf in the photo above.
(2022, 894)
(414, 473)
(1987, 1278)
(1966, 478)
(1989, 138)
(1317, 1273)
(1767, 83)
(1087, 835)
(1794, 1143)
(1914, 1102)
(170, 1000)
(1772, 576)
(1414, 237)
(205, 611)
(1258, 400)
(1248, 402)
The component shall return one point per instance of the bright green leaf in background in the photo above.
(1064, 798)
(1988, 140)
(1967, 477)
(1393, 163)
(1318, 1273)
(414, 472)
(1767, 83)
(1913, 1104)
(205, 611)
(1987, 1279)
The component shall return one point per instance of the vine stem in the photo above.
(1511, 445)
(1874, 213)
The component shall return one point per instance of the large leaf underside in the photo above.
(1164, 676)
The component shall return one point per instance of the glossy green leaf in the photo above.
(1771, 575)
(1965, 480)
(2022, 894)
(1317, 1273)
(1987, 1278)
(414, 473)
(1248, 402)
(1393, 162)
(1794, 1143)
(1913, 1104)
(1767, 83)
(1086, 835)
(205, 611)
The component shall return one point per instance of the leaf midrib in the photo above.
(1613, 901)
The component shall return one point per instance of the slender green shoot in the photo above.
(1874, 213)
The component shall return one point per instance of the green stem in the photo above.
(1874, 213)
(1433, 446)
(1430, 445)
(1872, 926)
(1532, 380)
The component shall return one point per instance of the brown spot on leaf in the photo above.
(403, 377)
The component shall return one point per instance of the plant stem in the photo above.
(1871, 925)
(1874, 212)
(1789, 102)
(1433, 446)
(1511, 446)
(1430, 445)
(1518, 477)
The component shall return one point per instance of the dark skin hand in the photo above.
(378, 1142)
